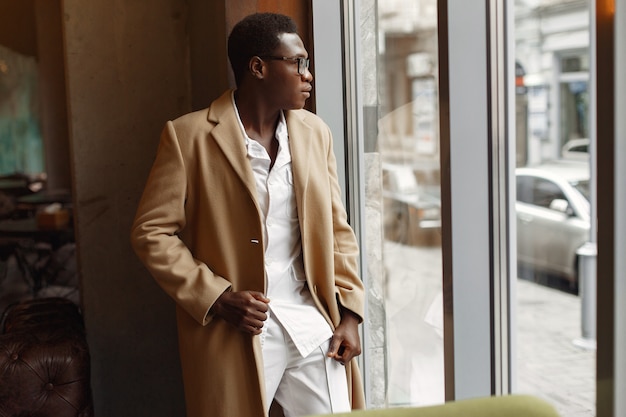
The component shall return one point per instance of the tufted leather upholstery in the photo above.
(44, 361)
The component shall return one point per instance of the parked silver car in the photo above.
(411, 210)
(553, 217)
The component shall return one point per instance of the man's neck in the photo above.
(258, 121)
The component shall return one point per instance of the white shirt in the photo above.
(290, 299)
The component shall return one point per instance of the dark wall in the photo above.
(127, 72)
(17, 26)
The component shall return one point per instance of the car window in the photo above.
(579, 148)
(538, 191)
(583, 187)
(525, 189)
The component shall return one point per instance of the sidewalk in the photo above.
(550, 363)
(547, 362)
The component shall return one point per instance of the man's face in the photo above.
(285, 87)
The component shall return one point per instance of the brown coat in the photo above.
(198, 232)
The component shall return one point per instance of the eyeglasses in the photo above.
(303, 63)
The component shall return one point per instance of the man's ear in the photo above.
(256, 66)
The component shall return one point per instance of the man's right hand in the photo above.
(246, 310)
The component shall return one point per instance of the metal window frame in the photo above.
(610, 47)
(620, 207)
(472, 132)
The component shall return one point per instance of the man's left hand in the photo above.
(346, 343)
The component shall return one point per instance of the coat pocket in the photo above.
(297, 272)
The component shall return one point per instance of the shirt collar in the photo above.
(280, 133)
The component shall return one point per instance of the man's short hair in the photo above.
(256, 35)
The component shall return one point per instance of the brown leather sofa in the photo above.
(44, 360)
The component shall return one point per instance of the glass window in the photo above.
(555, 349)
(21, 148)
(400, 103)
(400, 108)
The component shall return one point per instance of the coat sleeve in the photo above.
(155, 232)
(348, 285)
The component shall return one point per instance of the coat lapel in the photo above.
(300, 136)
(230, 139)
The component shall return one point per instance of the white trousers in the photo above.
(316, 384)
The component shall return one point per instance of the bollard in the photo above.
(587, 254)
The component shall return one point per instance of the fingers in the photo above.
(245, 310)
(340, 350)
(344, 354)
(259, 296)
(345, 343)
(252, 329)
(333, 349)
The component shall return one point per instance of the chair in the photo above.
(44, 361)
(504, 406)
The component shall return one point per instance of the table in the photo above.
(14, 186)
(31, 246)
(27, 228)
(47, 197)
